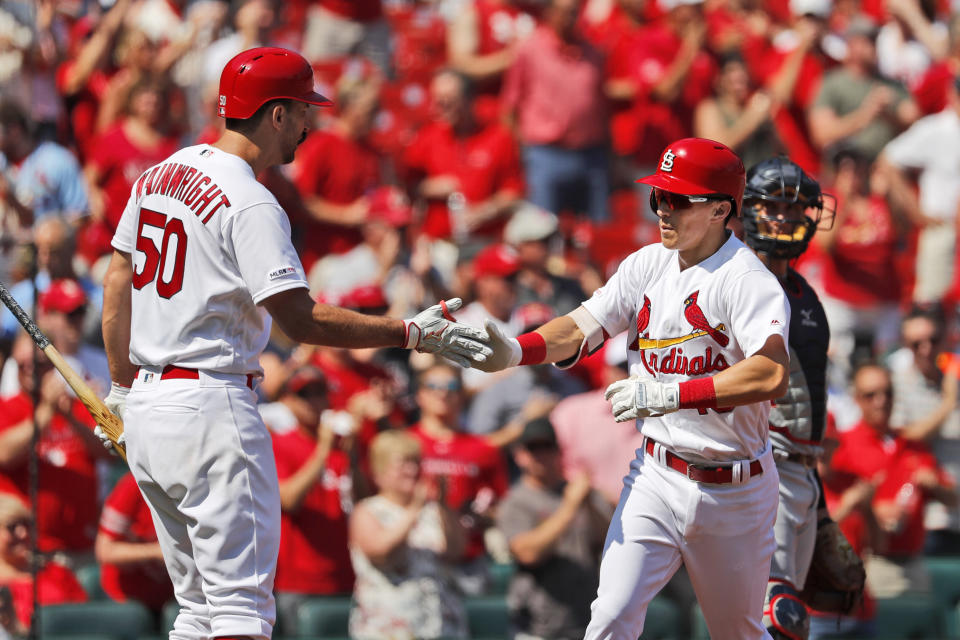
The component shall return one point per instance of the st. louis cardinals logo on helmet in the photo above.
(667, 163)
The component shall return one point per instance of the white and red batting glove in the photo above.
(116, 401)
(434, 330)
(637, 397)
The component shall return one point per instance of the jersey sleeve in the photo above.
(615, 303)
(119, 508)
(259, 237)
(758, 308)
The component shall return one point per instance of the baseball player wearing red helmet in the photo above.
(202, 263)
(707, 332)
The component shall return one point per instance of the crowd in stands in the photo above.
(486, 149)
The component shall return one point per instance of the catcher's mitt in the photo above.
(836, 577)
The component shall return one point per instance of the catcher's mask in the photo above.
(782, 208)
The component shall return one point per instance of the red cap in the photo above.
(256, 76)
(65, 296)
(697, 166)
(391, 206)
(534, 314)
(365, 297)
(496, 260)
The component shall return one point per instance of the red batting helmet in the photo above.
(697, 167)
(256, 76)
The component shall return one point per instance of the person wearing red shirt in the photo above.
(67, 509)
(657, 76)
(470, 472)
(778, 63)
(468, 173)
(55, 584)
(335, 169)
(854, 263)
(553, 95)
(906, 477)
(124, 151)
(316, 494)
(131, 563)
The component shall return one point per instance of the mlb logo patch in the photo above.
(147, 377)
(279, 273)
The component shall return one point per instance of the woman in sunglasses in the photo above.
(707, 332)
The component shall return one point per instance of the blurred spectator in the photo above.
(67, 507)
(482, 42)
(553, 96)
(419, 29)
(925, 409)
(63, 310)
(84, 74)
(131, 563)
(859, 285)
(339, 28)
(123, 152)
(934, 208)
(335, 171)
(579, 419)
(252, 21)
(468, 172)
(499, 411)
(790, 64)
(856, 107)
(494, 287)
(911, 40)
(315, 464)
(471, 470)
(657, 75)
(53, 240)
(931, 90)
(55, 584)
(403, 541)
(737, 117)
(556, 530)
(531, 231)
(37, 180)
(906, 476)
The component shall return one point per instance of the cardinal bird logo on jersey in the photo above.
(643, 319)
(693, 314)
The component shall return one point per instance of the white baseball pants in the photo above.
(723, 534)
(204, 462)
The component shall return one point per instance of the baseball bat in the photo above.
(108, 421)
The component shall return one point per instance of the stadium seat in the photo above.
(945, 588)
(698, 625)
(119, 620)
(170, 612)
(79, 636)
(909, 616)
(89, 578)
(488, 616)
(663, 620)
(323, 617)
(500, 576)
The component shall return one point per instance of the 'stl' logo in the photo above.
(667, 163)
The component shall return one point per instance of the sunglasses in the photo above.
(450, 385)
(541, 446)
(916, 344)
(676, 201)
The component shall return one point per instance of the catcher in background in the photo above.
(782, 208)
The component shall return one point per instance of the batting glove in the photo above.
(637, 397)
(434, 330)
(106, 441)
(116, 400)
(506, 351)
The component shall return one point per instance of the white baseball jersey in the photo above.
(692, 323)
(208, 242)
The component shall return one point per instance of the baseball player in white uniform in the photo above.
(707, 335)
(782, 208)
(202, 261)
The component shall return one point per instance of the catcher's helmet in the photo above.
(699, 167)
(256, 76)
(780, 180)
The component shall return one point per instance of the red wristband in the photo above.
(533, 348)
(698, 394)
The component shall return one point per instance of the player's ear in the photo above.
(722, 210)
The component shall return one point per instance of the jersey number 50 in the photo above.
(157, 259)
